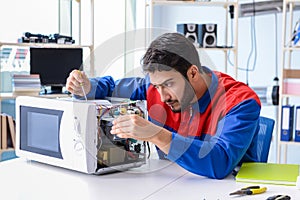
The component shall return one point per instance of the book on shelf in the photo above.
(287, 122)
(297, 124)
(26, 83)
(3, 131)
(7, 132)
(12, 131)
(268, 173)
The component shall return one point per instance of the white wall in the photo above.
(109, 25)
(35, 16)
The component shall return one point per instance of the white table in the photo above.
(158, 179)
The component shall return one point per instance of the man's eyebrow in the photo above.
(170, 79)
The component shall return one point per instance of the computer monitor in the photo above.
(54, 65)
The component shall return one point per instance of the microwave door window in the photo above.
(42, 134)
(40, 129)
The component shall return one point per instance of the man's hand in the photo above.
(76, 80)
(136, 127)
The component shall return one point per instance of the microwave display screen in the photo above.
(40, 129)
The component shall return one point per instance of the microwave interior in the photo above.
(112, 150)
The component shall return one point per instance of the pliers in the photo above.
(249, 190)
(279, 197)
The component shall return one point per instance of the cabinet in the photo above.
(290, 77)
(227, 6)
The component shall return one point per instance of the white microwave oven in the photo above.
(75, 134)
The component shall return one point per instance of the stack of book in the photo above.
(26, 83)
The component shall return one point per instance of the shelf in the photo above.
(292, 1)
(296, 48)
(291, 73)
(42, 45)
(218, 48)
(290, 142)
(289, 95)
(11, 95)
(195, 3)
(290, 77)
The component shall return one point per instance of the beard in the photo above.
(186, 100)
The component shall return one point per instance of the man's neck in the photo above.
(204, 84)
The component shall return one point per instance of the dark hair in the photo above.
(171, 51)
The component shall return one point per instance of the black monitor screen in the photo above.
(54, 65)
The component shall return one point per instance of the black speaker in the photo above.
(203, 35)
(190, 31)
(209, 35)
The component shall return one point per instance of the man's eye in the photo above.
(155, 86)
(169, 84)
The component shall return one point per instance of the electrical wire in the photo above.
(276, 46)
(253, 51)
(231, 39)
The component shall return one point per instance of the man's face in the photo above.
(173, 88)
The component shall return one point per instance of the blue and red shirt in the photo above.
(210, 137)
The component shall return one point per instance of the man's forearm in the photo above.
(162, 140)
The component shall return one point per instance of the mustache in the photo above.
(170, 101)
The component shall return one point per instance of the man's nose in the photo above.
(164, 94)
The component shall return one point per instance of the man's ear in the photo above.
(192, 72)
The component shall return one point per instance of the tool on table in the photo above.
(279, 197)
(250, 190)
(82, 86)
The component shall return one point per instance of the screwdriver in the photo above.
(81, 84)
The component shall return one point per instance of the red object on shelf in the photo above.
(291, 86)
